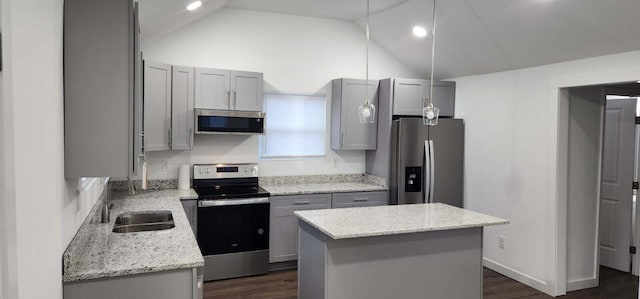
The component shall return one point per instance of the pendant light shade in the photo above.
(366, 110)
(430, 113)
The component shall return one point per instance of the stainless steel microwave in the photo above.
(210, 121)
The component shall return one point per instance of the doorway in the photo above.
(601, 157)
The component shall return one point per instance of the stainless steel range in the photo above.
(233, 220)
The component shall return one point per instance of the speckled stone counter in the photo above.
(96, 252)
(393, 220)
(291, 185)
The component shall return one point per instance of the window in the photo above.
(295, 126)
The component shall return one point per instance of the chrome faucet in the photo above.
(105, 213)
(132, 187)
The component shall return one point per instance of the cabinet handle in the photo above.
(229, 99)
(191, 138)
(235, 100)
(301, 202)
(341, 139)
(169, 134)
(360, 199)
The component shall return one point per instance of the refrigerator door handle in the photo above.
(427, 172)
(432, 175)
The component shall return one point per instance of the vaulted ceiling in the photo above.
(473, 37)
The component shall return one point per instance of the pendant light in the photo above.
(430, 113)
(366, 110)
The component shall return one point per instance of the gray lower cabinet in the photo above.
(359, 199)
(347, 133)
(191, 209)
(183, 283)
(283, 229)
(102, 98)
(408, 96)
(169, 107)
(228, 90)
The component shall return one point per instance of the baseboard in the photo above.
(518, 276)
(283, 266)
(583, 283)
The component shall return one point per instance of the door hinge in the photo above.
(635, 186)
(637, 120)
(632, 250)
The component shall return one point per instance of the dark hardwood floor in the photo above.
(283, 285)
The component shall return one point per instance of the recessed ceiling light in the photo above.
(419, 31)
(194, 5)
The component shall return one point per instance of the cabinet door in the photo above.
(283, 229)
(359, 199)
(157, 106)
(191, 209)
(212, 89)
(356, 135)
(444, 97)
(182, 113)
(246, 91)
(408, 95)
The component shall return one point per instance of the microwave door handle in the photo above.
(427, 172)
(432, 169)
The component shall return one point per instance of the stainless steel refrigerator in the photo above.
(426, 161)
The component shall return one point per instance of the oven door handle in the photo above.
(231, 202)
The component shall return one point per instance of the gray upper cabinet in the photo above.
(228, 90)
(408, 95)
(182, 99)
(157, 110)
(102, 100)
(247, 91)
(212, 89)
(169, 107)
(347, 133)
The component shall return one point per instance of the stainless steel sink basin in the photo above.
(143, 221)
(144, 217)
(143, 227)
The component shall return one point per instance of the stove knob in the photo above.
(206, 170)
(201, 170)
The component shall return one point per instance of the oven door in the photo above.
(233, 225)
(229, 122)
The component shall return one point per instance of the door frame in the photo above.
(559, 89)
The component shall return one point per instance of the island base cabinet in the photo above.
(185, 283)
(437, 264)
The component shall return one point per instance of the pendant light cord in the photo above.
(433, 53)
(366, 85)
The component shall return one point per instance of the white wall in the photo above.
(295, 53)
(41, 210)
(586, 108)
(511, 160)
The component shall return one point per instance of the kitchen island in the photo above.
(403, 251)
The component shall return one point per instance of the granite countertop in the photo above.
(96, 252)
(392, 220)
(332, 183)
(311, 188)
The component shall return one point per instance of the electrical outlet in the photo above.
(502, 242)
(165, 165)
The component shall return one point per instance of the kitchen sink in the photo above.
(143, 227)
(143, 221)
(144, 217)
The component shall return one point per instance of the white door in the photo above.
(617, 184)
